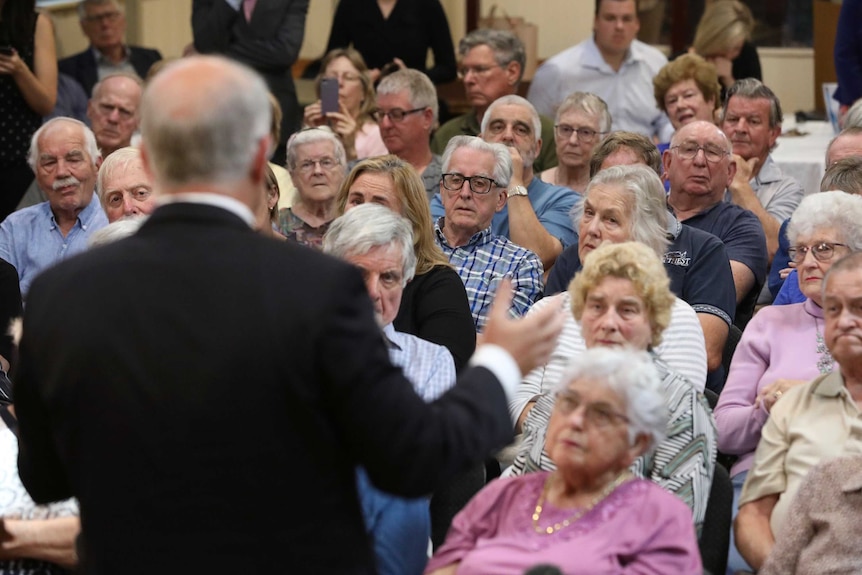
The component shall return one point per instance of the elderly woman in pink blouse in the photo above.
(783, 346)
(590, 515)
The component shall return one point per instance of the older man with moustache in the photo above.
(700, 167)
(473, 189)
(150, 390)
(125, 188)
(536, 213)
(492, 65)
(104, 24)
(64, 156)
(751, 118)
(407, 110)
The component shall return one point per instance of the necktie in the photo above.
(247, 8)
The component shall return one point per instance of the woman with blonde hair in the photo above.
(353, 123)
(434, 305)
(723, 37)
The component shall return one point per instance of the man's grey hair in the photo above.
(215, 142)
(649, 208)
(850, 262)
(420, 90)
(365, 227)
(514, 100)
(117, 161)
(839, 211)
(632, 375)
(312, 136)
(589, 104)
(90, 145)
(97, 87)
(506, 47)
(82, 6)
(115, 231)
(502, 159)
(754, 89)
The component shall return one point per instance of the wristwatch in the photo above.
(516, 191)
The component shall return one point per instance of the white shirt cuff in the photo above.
(235, 4)
(499, 362)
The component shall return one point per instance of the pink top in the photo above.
(780, 342)
(369, 142)
(638, 528)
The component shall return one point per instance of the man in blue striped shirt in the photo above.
(472, 189)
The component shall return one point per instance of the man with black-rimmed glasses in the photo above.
(473, 187)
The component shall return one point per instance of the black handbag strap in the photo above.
(9, 419)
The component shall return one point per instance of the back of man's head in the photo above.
(203, 120)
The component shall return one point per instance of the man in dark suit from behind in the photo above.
(210, 392)
(104, 23)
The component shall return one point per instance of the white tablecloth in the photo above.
(803, 157)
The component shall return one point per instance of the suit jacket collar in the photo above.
(194, 214)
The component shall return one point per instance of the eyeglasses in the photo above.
(822, 252)
(395, 114)
(110, 17)
(476, 70)
(326, 164)
(478, 184)
(711, 152)
(585, 135)
(595, 414)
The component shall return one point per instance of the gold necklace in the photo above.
(551, 529)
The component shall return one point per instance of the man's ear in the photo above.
(513, 72)
(501, 201)
(257, 171)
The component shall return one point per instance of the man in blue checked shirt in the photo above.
(380, 243)
(473, 188)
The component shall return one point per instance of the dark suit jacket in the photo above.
(270, 44)
(82, 66)
(207, 392)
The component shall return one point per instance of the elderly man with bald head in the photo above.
(64, 156)
(700, 168)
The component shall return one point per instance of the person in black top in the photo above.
(28, 91)
(396, 31)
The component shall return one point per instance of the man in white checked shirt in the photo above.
(380, 243)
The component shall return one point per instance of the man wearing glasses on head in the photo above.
(473, 189)
(104, 24)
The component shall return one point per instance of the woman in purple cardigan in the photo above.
(783, 346)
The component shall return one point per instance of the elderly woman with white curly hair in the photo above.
(590, 514)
